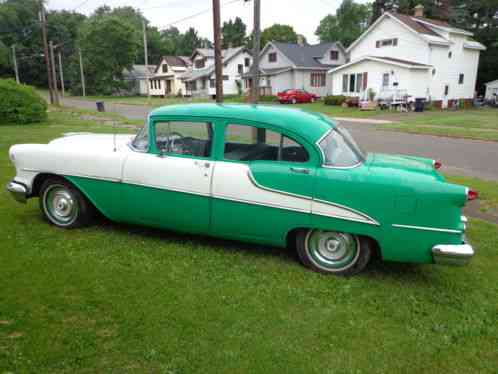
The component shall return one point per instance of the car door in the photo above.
(262, 184)
(169, 186)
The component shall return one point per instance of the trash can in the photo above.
(100, 106)
(419, 104)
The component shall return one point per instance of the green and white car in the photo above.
(262, 174)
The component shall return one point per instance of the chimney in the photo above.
(418, 11)
(300, 40)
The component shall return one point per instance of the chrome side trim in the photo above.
(272, 205)
(427, 228)
(452, 254)
(18, 191)
(369, 219)
(74, 175)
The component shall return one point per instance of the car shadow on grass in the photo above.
(376, 270)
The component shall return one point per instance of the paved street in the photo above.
(460, 156)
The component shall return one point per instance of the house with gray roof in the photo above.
(200, 79)
(166, 79)
(136, 78)
(298, 66)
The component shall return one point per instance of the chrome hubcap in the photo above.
(332, 250)
(60, 205)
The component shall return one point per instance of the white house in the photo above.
(136, 79)
(412, 55)
(166, 78)
(491, 90)
(298, 66)
(200, 80)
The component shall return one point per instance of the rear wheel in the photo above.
(63, 205)
(293, 101)
(333, 252)
(312, 100)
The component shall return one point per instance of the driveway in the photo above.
(472, 158)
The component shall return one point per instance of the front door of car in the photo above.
(262, 185)
(169, 187)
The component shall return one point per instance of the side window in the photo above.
(247, 143)
(184, 138)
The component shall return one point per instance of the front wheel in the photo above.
(333, 252)
(294, 101)
(63, 205)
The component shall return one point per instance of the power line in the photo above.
(81, 4)
(195, 15)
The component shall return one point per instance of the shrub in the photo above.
(334, 99)
(267, 99)
(20, 103)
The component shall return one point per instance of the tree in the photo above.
(350, 20)
(171, 41)
(234, 33)
(104, 63)
(190, 41)
(278, 33)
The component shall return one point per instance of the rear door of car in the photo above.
(262, 184)
(169, 186)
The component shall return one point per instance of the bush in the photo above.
(334, 99)
(20, 103)
(267, 99)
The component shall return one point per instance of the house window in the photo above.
(365, 80)
(334, 55)
(359, 82)
(318, 79)
(240, 68)
(203, 83)
(345, 83)
(450, 54)
(460, 79)
(446, 90)
(226, 77)
(385, 80)
(193, 86)
(272, 57)
(247, 62)
(212, 83)
(386, 43)
(352, 80)
(199, 64)
(151, 84)
(165, 68)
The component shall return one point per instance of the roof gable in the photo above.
(304, 56)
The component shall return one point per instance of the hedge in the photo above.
(20, 104)
(334, 100)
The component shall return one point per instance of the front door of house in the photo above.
(168, 86)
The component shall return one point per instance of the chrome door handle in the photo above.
(300, 170)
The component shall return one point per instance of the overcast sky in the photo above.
(303, 15)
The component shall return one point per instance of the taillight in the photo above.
(437, 164)
(472, 195)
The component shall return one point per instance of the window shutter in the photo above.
(377, 44)
(365, 80)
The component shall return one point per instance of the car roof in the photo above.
(309, 125)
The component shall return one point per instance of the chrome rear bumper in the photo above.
(18, 191)
(452, 254)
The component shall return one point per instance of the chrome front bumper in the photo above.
(452, 254)
(18, 191)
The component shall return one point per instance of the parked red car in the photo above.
(296, 96)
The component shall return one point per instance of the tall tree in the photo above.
(279, 33)
(171, 39)
(234, 33)
(350, 20)
(190, 41)
(104, 63)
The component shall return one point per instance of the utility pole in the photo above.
(82, 73)
(45, 50)
(14, 60)
(217, 51)
(54, 74)
(146, 58)
(255, 52)
(61, 73)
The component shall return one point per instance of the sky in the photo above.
(303, 15)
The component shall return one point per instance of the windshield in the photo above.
(340, 150)
(141, 141)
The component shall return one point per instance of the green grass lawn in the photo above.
(116, 298)
(471, 123)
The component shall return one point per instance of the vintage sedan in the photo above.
(262, 174)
